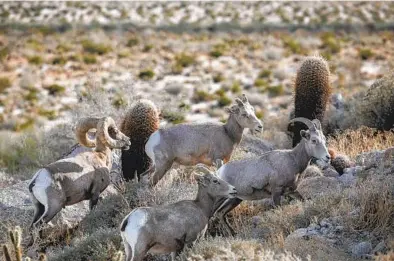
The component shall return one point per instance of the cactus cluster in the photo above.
(16, 240)
(312, 92)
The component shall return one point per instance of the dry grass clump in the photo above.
(354, 142)
(233, 249)
(375, 205)
(100, 245)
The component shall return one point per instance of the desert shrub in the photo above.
(260, 83)
(365, 53)
(184, 60)
(354, 142)
(374, 108)
(173, 116)
(330, 42)
(95, 48)
(265, 73)
(201, 95)
(133, 41)
(147, 48)
(50, 114)
(89, 59)
(59, 60)
(218, 78)
(375, 202)
(233, 249)
(103, 244)
(32, 95)
(218, 50)
(4, 83)
(294, 46)
(4, 52)
(35, 59)
(55, 89)
(236, 87)
(62, 47)
(224, 100)
(146, 74)
(275, 90)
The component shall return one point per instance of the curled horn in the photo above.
(306, 121)
(317, 123)
(102, 133)
(81, 131)
(203, 168)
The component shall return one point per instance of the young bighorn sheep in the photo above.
(273, 172)
(80, 177)
(189, 144)
(168, 228)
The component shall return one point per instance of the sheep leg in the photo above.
(39, 210)
(139, 250)
(128, 252)
(226, 207)
(276, 194)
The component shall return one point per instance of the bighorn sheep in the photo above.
(168, 228)
(80, 177)
(274, 172)
(189, 144)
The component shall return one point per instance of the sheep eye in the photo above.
(314, 141)
(216, 181)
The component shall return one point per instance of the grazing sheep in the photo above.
(189, 144)
(140, 122)
(312, 92)
(274, 172)
(80, 177)
(168, 228)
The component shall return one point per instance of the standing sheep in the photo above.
(189, 144)
(140, 122)
(273, 172)
(312, 92)
(168, 228)
(80, 177)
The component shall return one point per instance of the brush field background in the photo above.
(64, 60)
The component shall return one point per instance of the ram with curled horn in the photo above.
(274, 172)
(80, 177)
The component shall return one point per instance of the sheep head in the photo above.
(315, 141)
(214, 185)
(245, 114)
(107, 134)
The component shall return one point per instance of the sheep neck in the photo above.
(204, 201)
(104, 153)
(300, 156)
(233, 129)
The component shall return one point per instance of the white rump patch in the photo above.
(153, 141)
(42, 180)
(135, 221)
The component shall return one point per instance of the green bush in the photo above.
(35, 59)
(32, 95)
(63, 47)
(132, 42)
(173, 116)
(218, 78)
(365, 53)
(330, 42)
(275, 90)
(147, 48)
(55, 89)
(184, 60)
(224, 101)
(4, 52)
(218, 50)
(236, 87)
(260, 83)
(59, 60)
(5, 83)
(146, 74)
(294, 46)
(265, 73)
(50, 114)
(200, 96)
(89, 59)
(95, 48)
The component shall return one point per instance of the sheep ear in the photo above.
(305, 134)
(201, 179)
(218, 163)
(239, 102)
(244, 98)
(232, 109)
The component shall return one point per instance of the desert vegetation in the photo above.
(61, 63)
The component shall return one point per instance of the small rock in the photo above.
(347, 180)
(173, 88)
(317, 186)
(330, 172)
(361, 249)
(325, 223)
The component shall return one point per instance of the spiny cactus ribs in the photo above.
(140, 122)
(312, 92)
